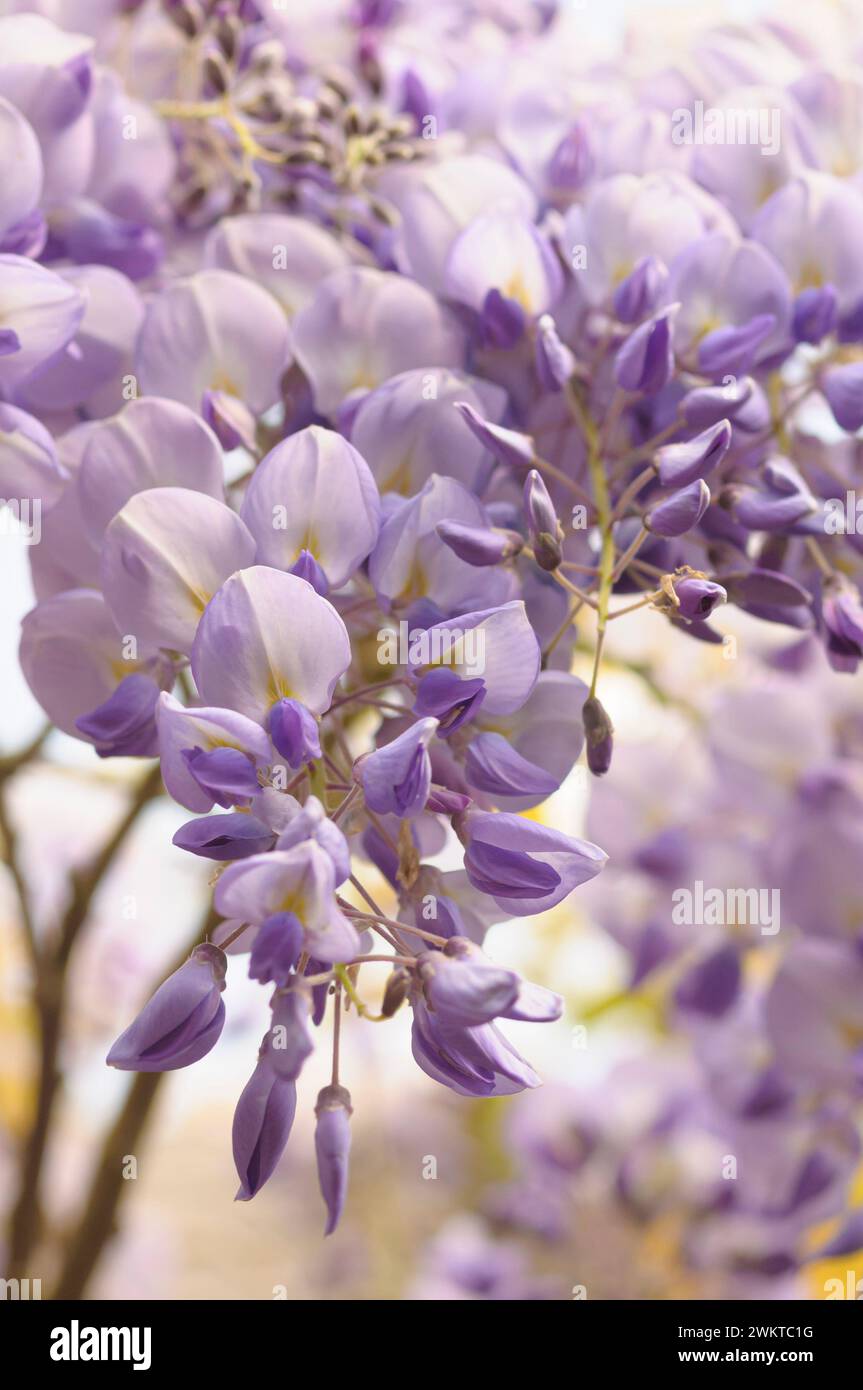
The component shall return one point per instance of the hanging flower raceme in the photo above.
(331, 503)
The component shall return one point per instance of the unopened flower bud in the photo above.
(332, 1149)
(599, 735)
(396, 991)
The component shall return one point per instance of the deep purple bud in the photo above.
(697, 597)
(276, 949)
(449, 698)
(677, 514)
(842, 614)
(262, 1125)
(478, 546)
(290, 1040)
(843, 388)
(226, 774)
(308, 568)
(462, 986)
(320, 993)
(332, 1149)
(731, 350)
(502, 321)
(815, 314)
(232, 836)
(571, 163)
(599, 736)
(555, 363)
(679, 464)
(507, 446)
(182, 1021)
(712, 985)
(641, 291)
(125, 725)
(645, 362)
(294, 731)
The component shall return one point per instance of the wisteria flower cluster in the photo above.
(360, 366)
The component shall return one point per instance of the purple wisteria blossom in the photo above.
(387, 394)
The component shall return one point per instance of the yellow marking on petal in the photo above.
(811, 277)
(516, 289)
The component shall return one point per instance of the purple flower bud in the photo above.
(697, 597)
(225, 774)
(677, 514)
(641, 291)
(125, 725)
(277, 948)
(233, 836)
(396, 991)
(538, 507)
(449, 698)
(447, 802)
(477, 546)
(555, 363)
(731, 350)
(815, 314)
(571, 164)
(332, 1149)
(843, 389)
(679, 464)
(262, 1125)
(507, 446)
(707, 405)
(645, 362)
(396, 778)
(502, 321)
(842, 614)
(784, 504)
(711, 986)
(599, 736)
(308, 568)
(294, 731)
(290, 1041)
(463, 986)
(182, 1021)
